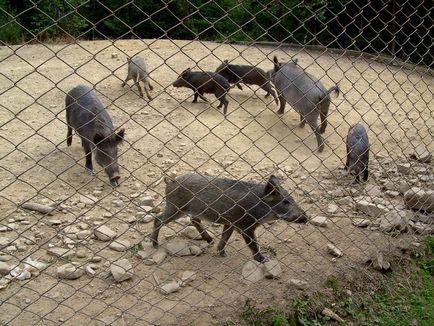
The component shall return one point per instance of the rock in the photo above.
(345, 201)
(4, 268)
(373, 191)
(178, 248)
(159, 256)
(299, 284)
(421, 154)
(332, 208)
(53, 222)
(379, 263)
(190, 232)
(195, 250)
(187, 277)
(422, 228)
(329, 313)
(170, 287)
(69, 271)
(104, 233)
(361, 222)
(403, 168)
(60, 252)
(95, 259)
(121, 270)
(333, 250)
(252, 272)
(146, 209)
(71, 229)
(403, 187)
(88, 199)
(419, 199)
(394, 221)
(319, 221)
(146, 201)
(90, 271)
(81, 253)
(4, 242)
(4, 257)
(120, 245)
(33, 266)
(24, 275)
(371, 209)
(84, 234)
(272, 269)
(147, 218)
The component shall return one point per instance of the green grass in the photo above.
(404, 297)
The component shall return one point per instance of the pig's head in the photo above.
(222, 67)
(106, 154)
(182, 80)
(282, 204)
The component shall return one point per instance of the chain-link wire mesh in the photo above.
(84, 255)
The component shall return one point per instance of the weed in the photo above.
(134, 249)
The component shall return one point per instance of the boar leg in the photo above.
(88, 150)
(250, 239)
(69, 136)
(302, 122)
(282, 105)
(267, 87)
(147, 87)
(200, 92)
(129, 77)
(205, 235)
(226, 234)
(140, 89)
(239, 86)
(170, 213)
(313, 124)
(196, 94)
(365, 174)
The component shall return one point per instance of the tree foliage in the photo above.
(388, 27)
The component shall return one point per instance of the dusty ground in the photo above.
(172, 134)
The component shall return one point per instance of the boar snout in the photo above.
(113, 174)
(114, 181)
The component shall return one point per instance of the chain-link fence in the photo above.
(76, 249)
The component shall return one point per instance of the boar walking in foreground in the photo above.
(236, 204)
(306, 94)
(249, 75)
(88, 117)
(138, 72)
(357, 152)
(205, 82)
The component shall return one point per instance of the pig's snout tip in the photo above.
(114, 180)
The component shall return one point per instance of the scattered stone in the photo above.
(120, 245)
(329, 313)
(84, 234)
(373, 191)
(333, 250)
(361, 222)
(95, 259)
(272, 269)
(24, 275)
(131, 220)
(421, 154)
(104, 233)
(159, 256)
(81, 253)
(147, 209)
(170, 287)
(379, 263)
(319, 221)
(90, 271)
(178, 248)
(70, 271)
(394, 221)
(5, 257)
(190, 232)
(299, 284)
(121, 270)
(33, 266)
(345, 201)
(117, 202)
(332, 208)
(4, 242)
(419, 199)
(4, 268)
(252, 272)
(60, 252)
(403, 168)
(71, 229)
(371, 209)
(147, 218)
(195, 250)
(187, 277)
(88, 199)
(146, 201)
(422, 228)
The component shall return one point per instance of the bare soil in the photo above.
(171, 134)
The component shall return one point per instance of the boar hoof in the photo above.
(222, 253)
(89, 170)
(280, 112)
(260, 258)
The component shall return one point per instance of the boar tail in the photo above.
(333, 89)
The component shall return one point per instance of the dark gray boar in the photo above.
(305, 94)
(89, 118)
(249, 75)
(238, 205)
(205, 82)
(357, 152)
(138, 72)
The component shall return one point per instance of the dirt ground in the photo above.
(171, 134)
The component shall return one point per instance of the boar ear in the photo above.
(120, 135)
(98, 138)
(272, 187)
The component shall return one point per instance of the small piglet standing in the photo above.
(89, 118)
(357, 152)
(238, 205)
